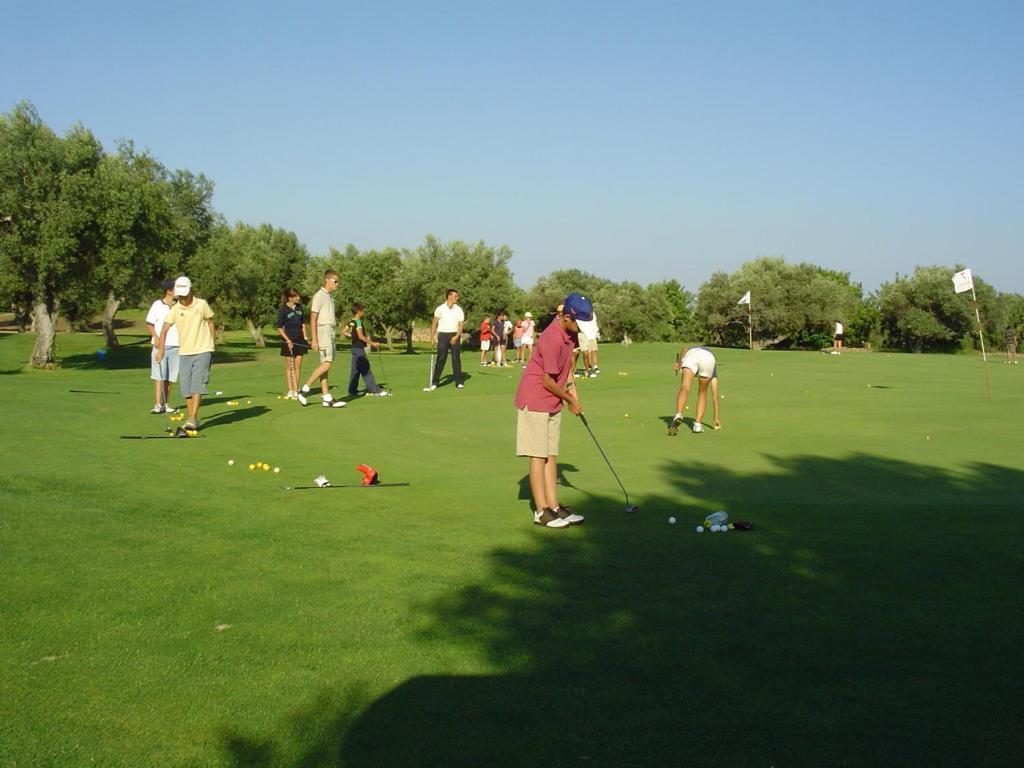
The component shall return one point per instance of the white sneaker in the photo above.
(332, 403)
(382, 393)
(568, 515)
(301, 395)
(698, 427)
(549, 519)
(460, 386)
(157, 408)
(170, 409)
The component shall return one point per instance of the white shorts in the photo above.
(700, 361)
(527, 341)
(587, 344)
(166, 369)
(485, 345)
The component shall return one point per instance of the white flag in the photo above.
(745, 299)
(962, 281)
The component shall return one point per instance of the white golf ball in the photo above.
(672, 521)
(219, 392)
(700, 529)
(714, 529)
(277, 470)
(231, 462)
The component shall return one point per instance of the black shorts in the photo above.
(299, 348)
(839, 337)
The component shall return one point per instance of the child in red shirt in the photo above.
(485, 338)
(545, 387)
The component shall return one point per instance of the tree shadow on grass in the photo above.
(871, 618)
(137, 355)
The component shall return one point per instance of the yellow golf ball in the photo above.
(231, 462)
(252, 466)
(277, 470)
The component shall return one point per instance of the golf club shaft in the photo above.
(327, 487)
(605, 457)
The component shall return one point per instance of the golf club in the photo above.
(380, 363)
(430, 381)
(328, 487)
(629, 507)
(171, 436)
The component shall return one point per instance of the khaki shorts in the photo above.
(327, 355)
(538, 433)
(587, 345)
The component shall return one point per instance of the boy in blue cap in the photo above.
(546, 387)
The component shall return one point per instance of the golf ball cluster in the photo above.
(260, 465)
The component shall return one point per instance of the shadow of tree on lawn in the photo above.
(871, 618)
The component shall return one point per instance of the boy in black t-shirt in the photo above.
(360, 362)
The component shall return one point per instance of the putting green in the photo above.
(160, 607)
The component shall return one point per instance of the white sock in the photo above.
(305, 389)
(679, 416)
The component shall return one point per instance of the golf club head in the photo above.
(632, 509)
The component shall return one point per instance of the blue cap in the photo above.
(581, 309)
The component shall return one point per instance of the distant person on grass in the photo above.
(446, 336)
(192, 318)
(545, 388)
(356, 330)
(529, 329)
(517, 340)
(291, 327)
(588, 347)
(837, 339)
(166, 371)
(699, 362)
(323, 325)
(485, 338)
(500, 338)
(1011, 345)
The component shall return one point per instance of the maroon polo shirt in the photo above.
(552, 354)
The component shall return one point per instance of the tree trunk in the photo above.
(108, 320)
(408, 340)
(389, 335)
(256, 331)
(43, 319)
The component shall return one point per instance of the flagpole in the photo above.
(981, 337)
(750, 327)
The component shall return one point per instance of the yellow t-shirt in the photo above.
(193, 331)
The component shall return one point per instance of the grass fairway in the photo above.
(160, 608)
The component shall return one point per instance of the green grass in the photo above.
(873, 616)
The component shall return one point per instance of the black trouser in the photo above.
(361, 367)
(446, 341)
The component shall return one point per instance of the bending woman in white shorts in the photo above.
(699, 362)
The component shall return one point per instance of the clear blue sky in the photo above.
(639, 140)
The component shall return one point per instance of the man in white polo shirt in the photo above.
(166, 371)
(446, 334)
